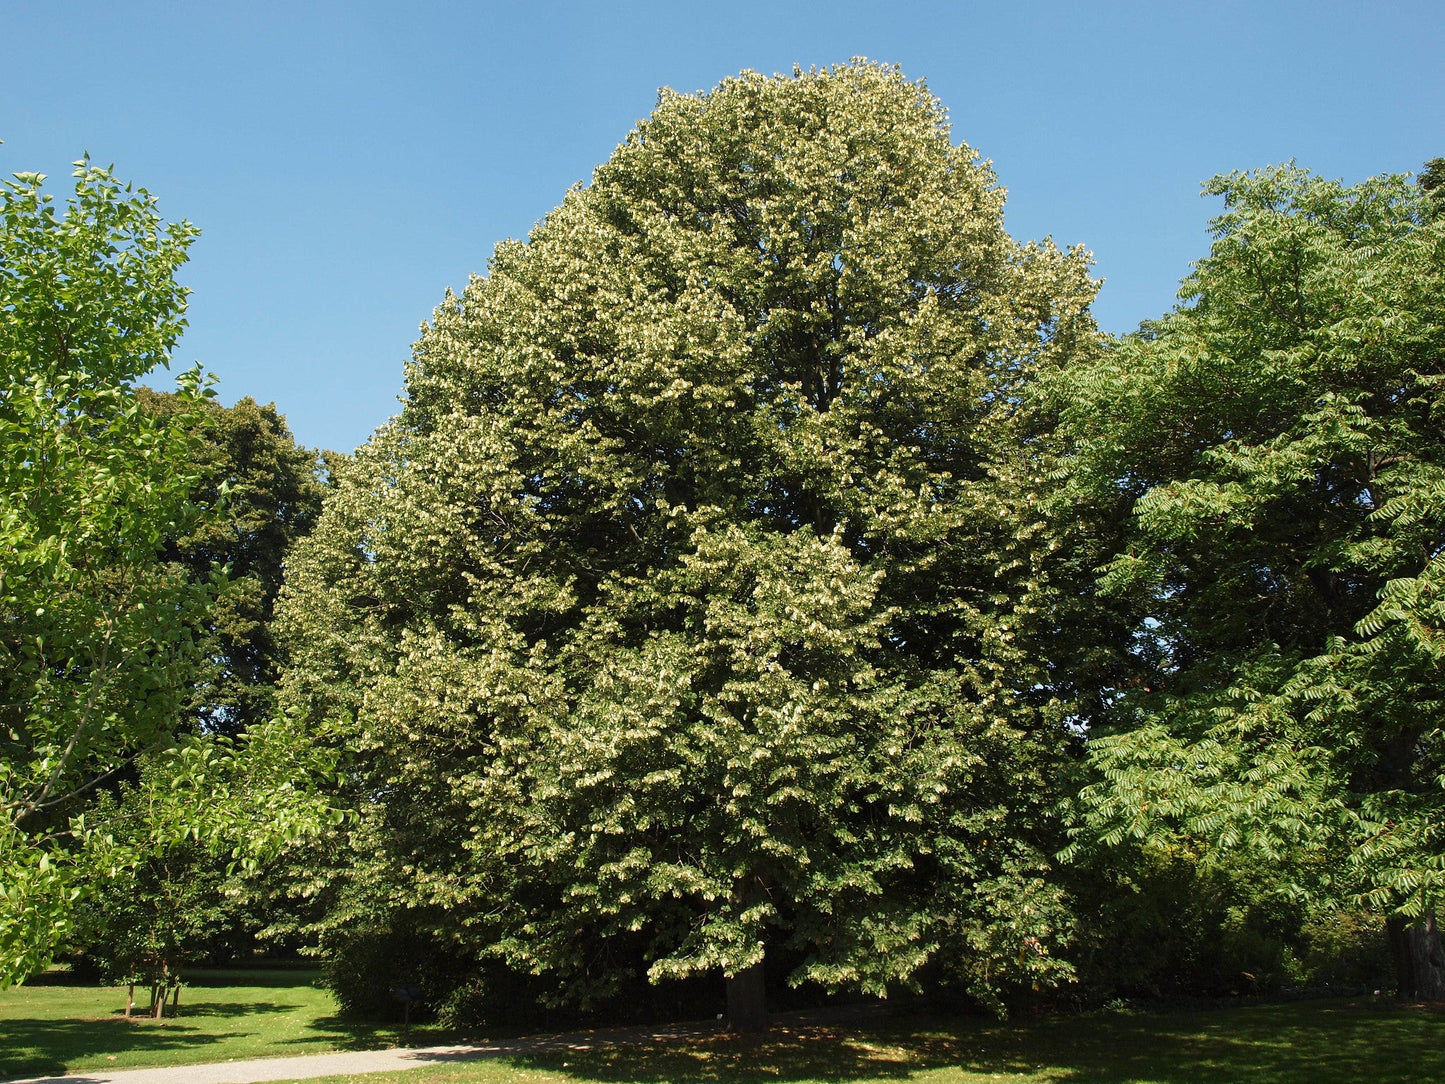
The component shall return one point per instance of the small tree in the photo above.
(681, 619)
(153, 913)
(101, 630)
(163, 857)
(95, 646)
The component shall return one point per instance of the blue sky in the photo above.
(347, 162)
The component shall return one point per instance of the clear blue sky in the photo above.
(347, 162)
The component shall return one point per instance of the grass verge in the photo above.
(55, 1024)
(1299, 1043)
(58, 1025)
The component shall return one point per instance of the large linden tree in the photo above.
(680, 620)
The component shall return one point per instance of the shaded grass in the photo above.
(1301, 1043)
(54, 1023)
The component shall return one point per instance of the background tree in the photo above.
(682, 617)
(1432, 175)
(1278, 443)
(267, 491)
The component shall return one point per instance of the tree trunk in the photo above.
(748, 1001)
(1419, 958)
(129, 999)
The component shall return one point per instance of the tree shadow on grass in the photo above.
(41, 1047)
(350, 1033)
(1283, 1044)
(203, 977)
(229, 1008)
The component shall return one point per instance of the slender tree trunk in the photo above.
(748, 1001)
(129, 999)
(1419, 958)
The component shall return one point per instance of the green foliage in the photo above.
(104, 634)
(688, 612)
(1344, 949)
(267, 493)
(95, 646)
(163, 858)
(1278, 443)
(1158, 923)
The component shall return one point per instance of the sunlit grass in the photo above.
(54, 1024)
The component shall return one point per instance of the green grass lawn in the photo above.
(54, 1024)
(1301, 1043)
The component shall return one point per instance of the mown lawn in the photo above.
(1300, 1043)
(54, 1024)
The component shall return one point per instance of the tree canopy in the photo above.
(681, 617)
(1277, 446)
(267, 491)
(94, 642)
